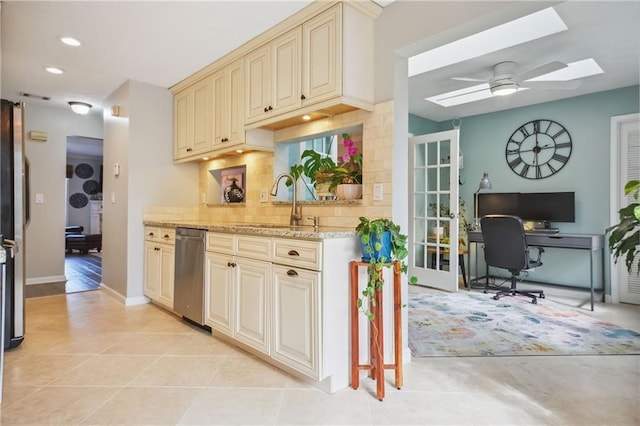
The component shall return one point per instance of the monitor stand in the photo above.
(545, 229)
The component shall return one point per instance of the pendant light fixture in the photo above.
(80, 107)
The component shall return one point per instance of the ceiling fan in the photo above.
(505, 78)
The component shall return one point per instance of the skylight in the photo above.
(521, 30)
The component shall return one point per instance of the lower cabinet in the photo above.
(252, 303)
(159, 259)
(266, 294)
(295, 318)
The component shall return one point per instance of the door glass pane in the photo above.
(420, 155)
(432, 204)
(419, 178)
(445, 152)
(418, 256)
(419, 205)
(432, 179)
(419, 231)
(445, 178)
(432, 154)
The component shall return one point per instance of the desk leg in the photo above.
(591, 276)
(469, 268)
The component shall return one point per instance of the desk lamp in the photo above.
(485, 183)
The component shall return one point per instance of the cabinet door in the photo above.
(251, 322)
(322, 60)
(219, 275)
(152, 270)
(167, 266)
(286, 57)
(258, 84)
(235, 90)
(202, 116)
(295, 317)
(220, 111)
(182, 127)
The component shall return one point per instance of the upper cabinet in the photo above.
(228, 111)
(192, 126)
(304, 72)
(318, 62)
(273, 77)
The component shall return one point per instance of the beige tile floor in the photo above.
(89, 360)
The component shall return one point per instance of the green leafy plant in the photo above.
(370, 232)
(624, 237)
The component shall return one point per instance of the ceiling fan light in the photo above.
(80, 107)
(504, 89)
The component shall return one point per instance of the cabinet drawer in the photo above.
(303, 254)
(254, 247)
(160, 235)
(221, 243)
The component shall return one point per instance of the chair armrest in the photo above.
(540, 251)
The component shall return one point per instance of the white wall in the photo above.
(45, 234)
(141, 141)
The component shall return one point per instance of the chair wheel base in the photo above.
(534, 301)
(496, 298)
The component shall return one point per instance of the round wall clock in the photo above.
(538, 149)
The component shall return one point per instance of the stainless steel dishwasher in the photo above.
(188, 297)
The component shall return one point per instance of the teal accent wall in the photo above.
(483, 139)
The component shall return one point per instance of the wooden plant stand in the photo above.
(376, 365)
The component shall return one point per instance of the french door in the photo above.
(433, 207)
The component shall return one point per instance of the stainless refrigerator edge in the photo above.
(14, 214)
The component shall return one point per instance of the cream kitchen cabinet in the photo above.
(159, 259)
(228, 105)
(192, 126)
(237, 288)
(325, 65)
(273, 77)
(285, 299)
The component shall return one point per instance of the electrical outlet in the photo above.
(39, 198)
(377, 191)
(264, 196)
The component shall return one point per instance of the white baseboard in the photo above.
(46, 280)
(126, 301)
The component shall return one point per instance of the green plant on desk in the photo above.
(370, 232)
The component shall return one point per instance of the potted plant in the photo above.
(347, 178)
(382, 242)
(319, 168)
(624, 237)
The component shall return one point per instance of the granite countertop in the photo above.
(271, 230)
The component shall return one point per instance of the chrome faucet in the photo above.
(296, 210)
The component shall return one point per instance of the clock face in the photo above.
(538, 149)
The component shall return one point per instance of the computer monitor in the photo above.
(547, 206)
(498, 203)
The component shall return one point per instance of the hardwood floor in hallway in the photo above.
(83, 272)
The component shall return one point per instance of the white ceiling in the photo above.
(163, 42)
(609, 32)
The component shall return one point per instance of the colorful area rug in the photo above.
(473, 324)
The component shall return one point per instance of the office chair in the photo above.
(505, 246)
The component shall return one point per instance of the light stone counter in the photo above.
(271, 230)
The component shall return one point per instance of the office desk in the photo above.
(590, 242)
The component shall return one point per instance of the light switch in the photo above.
(113, 198)
(39, 198)
(377, 192)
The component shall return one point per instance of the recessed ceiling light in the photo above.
(521, 30)
(70, 41)
(54, 70)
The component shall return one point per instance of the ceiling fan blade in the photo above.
(538, 71)
(473, 80)
(457, 95)
(552, 85)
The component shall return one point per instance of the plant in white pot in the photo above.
(347, 177)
